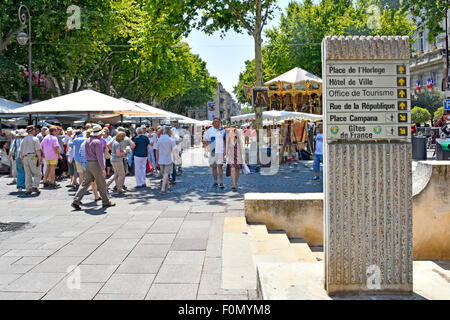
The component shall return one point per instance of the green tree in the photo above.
(430, 100)
(438, 114)
(430, 14)
(420, 115)
(296, 42)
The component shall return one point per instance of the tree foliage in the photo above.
(430, 100)
(420, 115)
(429, 13)
(296, 41)
(126, 48)
(438, 113)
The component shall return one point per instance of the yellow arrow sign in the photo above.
(402, 131)
(402, 117)
(401, 81)
(402, 105)
(402, 93)
(401, 69)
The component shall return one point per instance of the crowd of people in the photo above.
(96, 157)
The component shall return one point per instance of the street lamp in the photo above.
(22, 39)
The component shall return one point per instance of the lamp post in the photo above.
(23, 38)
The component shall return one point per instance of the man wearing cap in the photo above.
(30, 153)
(95, 169)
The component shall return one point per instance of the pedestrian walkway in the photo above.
(149, 246)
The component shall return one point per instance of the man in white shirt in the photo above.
(163, 149)
(215, 137)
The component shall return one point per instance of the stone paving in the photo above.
(149, 246)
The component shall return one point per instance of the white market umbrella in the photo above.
(86, 101)
(6, 106)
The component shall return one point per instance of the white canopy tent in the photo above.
(295, 75)
(279, 116)
(82, 102)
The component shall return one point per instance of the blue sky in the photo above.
(225, 57)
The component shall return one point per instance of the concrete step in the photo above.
(235, 225)
(258, 232)
(303, 252)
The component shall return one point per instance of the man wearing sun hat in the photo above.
(95, 169)
(30, 153)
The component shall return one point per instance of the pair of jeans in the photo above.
(318, 158)
(20, 174)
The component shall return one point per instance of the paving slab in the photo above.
(120, 243)
(179, 273)
(150, 250)
(185, 257)
(208, 209)
(189, 244)
(110, 257)
(85, 291)
(128, 284)
(158, 238)
(137, 265)
(172, 291)
(76, 250)
(212, 265)
(193, 233)
(166, 225)
(21, 295)
(108, 296)
(221, 297)
(29, 261)
(57, 264)
(90, 273)
(34, 282)
(212, 284)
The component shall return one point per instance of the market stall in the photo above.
(295, 90)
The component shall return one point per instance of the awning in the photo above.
(86, 101)
(295, 75)
(6, 106)
(279, 115)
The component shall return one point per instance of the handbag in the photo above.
(149, 167)
(228, 171)
(245, 168)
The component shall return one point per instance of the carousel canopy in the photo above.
(279, 115)
(6, 106)
(295, 75)
(85, 101)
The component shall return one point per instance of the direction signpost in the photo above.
(380, 104)
(367, 165)
(447, 104)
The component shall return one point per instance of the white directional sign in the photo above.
(367, 100)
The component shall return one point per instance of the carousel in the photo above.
(296, 90)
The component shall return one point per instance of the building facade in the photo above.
(224, 106)
(197, 113)
(428, 63)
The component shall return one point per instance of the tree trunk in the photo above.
(258, 71)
